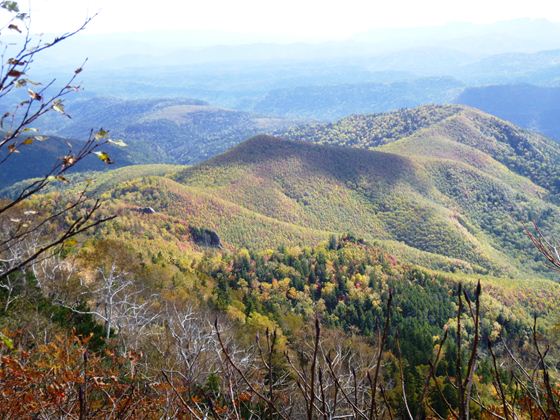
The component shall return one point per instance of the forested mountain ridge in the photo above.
(421, 131)
(370, 130)
(376, 195)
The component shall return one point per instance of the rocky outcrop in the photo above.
(205, 237)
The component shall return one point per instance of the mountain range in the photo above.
(163, 130)
(446, 187)
(329, 102)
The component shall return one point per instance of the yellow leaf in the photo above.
(104, 157)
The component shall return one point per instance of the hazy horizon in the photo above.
(252, 21)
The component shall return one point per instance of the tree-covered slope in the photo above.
(473, 132)
(98, 181)
(525, 153)
(447, 187)
(368, 131)
(378, 196)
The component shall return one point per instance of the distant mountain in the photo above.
(533, 107)
(331, 102)
(329, 80)
(162, 130)
(155, 130)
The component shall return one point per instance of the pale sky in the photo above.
(291, 19)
